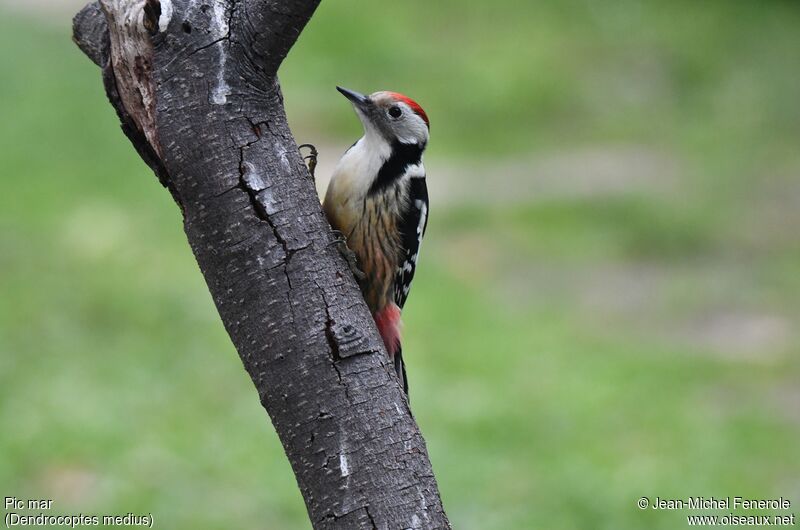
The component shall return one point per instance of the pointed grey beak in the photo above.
(358, 99)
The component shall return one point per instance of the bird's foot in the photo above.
(349, 256)
(311, 158)
(351, 259)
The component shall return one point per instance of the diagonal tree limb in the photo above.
(194, 84)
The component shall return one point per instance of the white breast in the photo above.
(360, 164)
(353, 176)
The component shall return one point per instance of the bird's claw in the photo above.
(338, 236)
(311, 157)
(349, 256)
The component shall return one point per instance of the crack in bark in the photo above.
(329, 334)
(371, 519)
(205, 47)
(333, 344)
(260, 210)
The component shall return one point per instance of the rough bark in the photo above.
(194, 84)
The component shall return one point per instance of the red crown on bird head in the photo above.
(414, 106)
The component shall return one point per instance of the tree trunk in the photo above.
(194, 84)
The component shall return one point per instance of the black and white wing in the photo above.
(412, 228)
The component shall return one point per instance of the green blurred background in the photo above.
(607, 305)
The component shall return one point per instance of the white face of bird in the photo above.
(393, 116)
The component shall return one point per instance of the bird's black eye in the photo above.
(395, 112)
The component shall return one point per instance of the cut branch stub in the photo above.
(131, 62)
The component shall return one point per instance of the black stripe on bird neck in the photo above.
(403, 156)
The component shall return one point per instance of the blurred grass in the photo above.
(510, 76)
(567, 354)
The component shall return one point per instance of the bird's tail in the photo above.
(388, 322)
(400, 368)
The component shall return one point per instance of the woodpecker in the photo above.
(377, 198)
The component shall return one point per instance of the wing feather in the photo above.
(413, 222)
